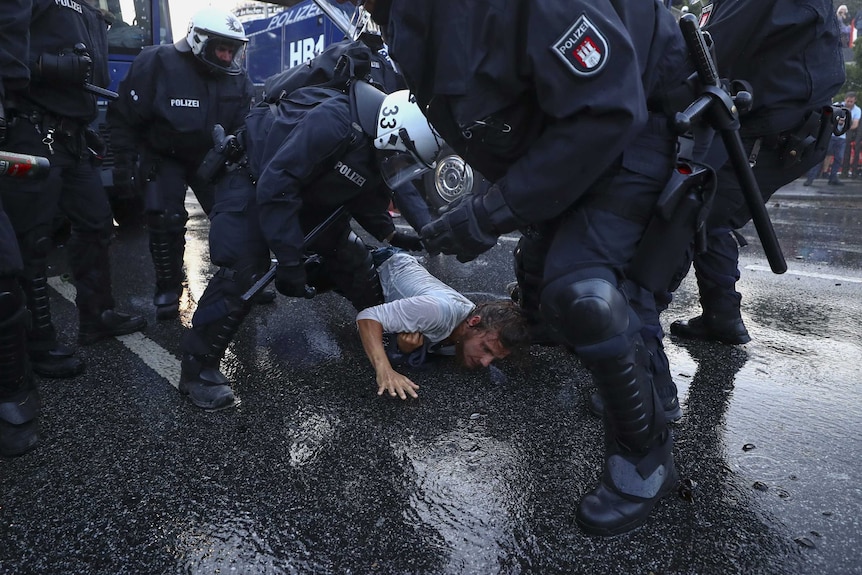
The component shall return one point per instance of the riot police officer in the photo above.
(169, 103)
(294, 163)
(560, 105)
(68, 55)
(792, 77)
(19, 397)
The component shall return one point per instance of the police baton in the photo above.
(23, 166)
(309, 239)
(720, 111)
(98, 91)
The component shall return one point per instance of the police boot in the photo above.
(725, 327)
(48, 357)
(19, 399)
(200, 379)
(638, 467)
(167, 247)
(109, 323)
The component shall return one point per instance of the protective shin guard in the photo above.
(167, 247)
(19, 399)
(354, 273)
(638, 468)
(47, 356)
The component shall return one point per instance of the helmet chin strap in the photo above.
(411, 147)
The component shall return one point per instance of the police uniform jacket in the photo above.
(787, 50)
(540, 96)
(57, 26)
(310, 156)
(14, 45)
(169, 102)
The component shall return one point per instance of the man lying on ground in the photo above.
(426, 316)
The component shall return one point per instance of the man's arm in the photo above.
(371, 334)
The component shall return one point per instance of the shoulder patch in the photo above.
(704, 15)
(582, 48)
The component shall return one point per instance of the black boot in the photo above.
(48, 357)
(639, 468)
(108, 324)
(726, 327)
(200, 379)
(167, 247)
(19, 398)
(206, 386)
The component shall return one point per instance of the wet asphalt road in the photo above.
(313, 473)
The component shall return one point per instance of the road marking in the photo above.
(758, 268)
(152, 354)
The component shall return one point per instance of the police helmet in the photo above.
(218, 40)
(408, 142)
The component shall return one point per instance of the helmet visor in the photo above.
(398, 168)
(224, 55)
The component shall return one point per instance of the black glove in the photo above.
(408, 242)
(290, 280)
(64, 67)
(463, 230)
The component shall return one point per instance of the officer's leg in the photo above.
(717, 271)
(164, 197)
(652, 335)
(238, 247)
(412, 205)
(350, 268)
(49, 358)
(31, 207)
(84, 202)
(583, 303)
(529, 259)
(19, 398)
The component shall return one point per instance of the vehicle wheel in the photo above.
(450, 179)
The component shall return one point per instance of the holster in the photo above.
(808, 143)
(679, 216)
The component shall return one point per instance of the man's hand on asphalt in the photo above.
(389, 380)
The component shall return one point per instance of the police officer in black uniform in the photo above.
(788, 53)
(169, 103)
(68, 52)
(296, 162)
(559, 104)
(19, 397)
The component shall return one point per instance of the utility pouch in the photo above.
(679, 216)
(802, 145)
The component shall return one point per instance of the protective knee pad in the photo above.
(586, 312)
(354, 274)
(165, 222)
(529, 258)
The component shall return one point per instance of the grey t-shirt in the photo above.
(416, 301)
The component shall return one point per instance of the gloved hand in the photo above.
(290, 280)
(64, 67)
(408, 242)
(463, 230)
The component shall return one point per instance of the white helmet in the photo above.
(399, 127)
(218, 39)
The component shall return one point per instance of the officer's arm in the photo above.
(371, 211)
(388, 380)
(591, 118)
(734, 24)
(291, 163)
(129, 116)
